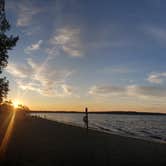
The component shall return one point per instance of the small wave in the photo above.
(105, 129)
(152, 135)
(156, 137)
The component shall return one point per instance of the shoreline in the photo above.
(107, 131)
(105, 112)
(38, 141)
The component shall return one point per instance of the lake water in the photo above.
(149, 127)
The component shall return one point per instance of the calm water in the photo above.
(142, 126)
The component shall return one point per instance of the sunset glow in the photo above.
(16, 103)
(67, 58)
(82, 82)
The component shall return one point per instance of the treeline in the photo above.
(9, 106)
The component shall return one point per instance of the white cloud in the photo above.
(146, 91)
(26, 11)
(68, 39)
(128, 91)
(42, 78)
(106, 90)
(67, 89)
(34, 47)
(20, 71)
(157, 78)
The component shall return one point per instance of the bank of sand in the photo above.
(36, 141)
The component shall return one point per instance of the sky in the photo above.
(106, 55)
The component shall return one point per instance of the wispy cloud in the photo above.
(157, 33)
(128, 91)
(26, 12)
(146, 91)
(21, 71)
(34, 47)
(106, 90)
(157, 78)
(52, 51)
(32, 30)
(42, 78)
(68, 39)
(67, 89)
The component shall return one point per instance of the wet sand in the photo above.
(36, 142)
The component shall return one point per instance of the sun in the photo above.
(16, 104)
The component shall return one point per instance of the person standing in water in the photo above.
(85, 119)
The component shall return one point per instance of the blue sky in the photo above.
(105, 54)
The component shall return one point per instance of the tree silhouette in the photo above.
(6, 43)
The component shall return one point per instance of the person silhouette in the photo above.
(85, 119)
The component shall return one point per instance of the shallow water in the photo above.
(151, 127)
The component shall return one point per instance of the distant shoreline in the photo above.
(104, 112)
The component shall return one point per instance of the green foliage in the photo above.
(6, 44)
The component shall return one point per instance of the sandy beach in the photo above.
(36, 142)
(4, 121)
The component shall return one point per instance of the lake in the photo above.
(149, 127)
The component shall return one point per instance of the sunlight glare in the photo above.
(7, 136)
(16, 104)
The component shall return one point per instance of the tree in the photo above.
(6, 44)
